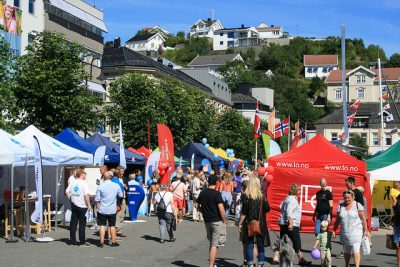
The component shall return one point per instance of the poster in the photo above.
(10, 26)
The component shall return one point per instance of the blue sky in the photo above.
(376, 22)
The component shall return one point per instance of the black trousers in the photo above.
(77, 216)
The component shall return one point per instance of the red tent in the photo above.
(305, 166)
(142, 151)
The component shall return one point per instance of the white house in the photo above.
(319, 65)
(270, 32)
(235, 37)
(361, 83)
(205, 28)
(146, 42)
(157, 29)
(31, 16)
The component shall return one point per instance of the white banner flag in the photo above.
(387, 106)
(37, 215)
(152, 165)
(389, 118)
(192, 162)
(122, 159)
(98, 159)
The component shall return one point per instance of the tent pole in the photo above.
(12, 240)
(56, 205)
(27, 219)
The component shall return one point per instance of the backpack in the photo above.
(161, 208)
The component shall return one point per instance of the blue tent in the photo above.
(200, 152)
(131, 158)
(72, 139)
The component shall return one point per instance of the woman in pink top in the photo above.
(178, 188)
(226, 190)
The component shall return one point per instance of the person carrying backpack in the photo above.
(164, 207)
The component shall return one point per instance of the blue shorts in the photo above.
(396, 234)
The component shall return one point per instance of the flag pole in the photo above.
(148, 134)
(344, 88)
(288, 137)
(381, 103)
(256, 156)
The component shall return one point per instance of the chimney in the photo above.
(272, 25)
(242, 26)
(209, 19)
(117, 42)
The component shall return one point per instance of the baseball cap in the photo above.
(212, 179)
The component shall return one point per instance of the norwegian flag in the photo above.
(257, 123)
(387, 106)
(355, 105)
(282, 128)
(350, 119)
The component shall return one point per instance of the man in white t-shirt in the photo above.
(196, 189)
(165, 218)
(78, 193)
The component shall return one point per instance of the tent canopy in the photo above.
(13, 151)
(54, 149)
(176, 159)
(72, 139)
(305, 166)
(131, 158)
(386, 158)
(200, 152)
(388, 173)
(222, 153)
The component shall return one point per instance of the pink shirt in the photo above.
(178, 188)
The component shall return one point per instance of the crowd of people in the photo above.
(212, 198)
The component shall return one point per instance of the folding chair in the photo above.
(384, 217)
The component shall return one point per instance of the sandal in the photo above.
(274, 262)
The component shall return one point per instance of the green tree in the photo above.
(374, 52)
(236, 72)
(316, 86)
(358, 141)
(235, 132)
(394, 61)
(172, 40)
(7, 100)
(184, 109)
(51, 90)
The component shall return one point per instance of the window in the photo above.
(309, 70)
(338, 94)
(388, 139)
(32, 6)
(324, 69)
(231, 43)
(364, 136)
(360, 78)
(314, 70)
(221, 43)
(334, 136)
(360, 93)
(330, 69)
(16, 3)
(375, 140)
(31, 37)
(231, 35)
(221, 34)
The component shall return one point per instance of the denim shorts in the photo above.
(396, 234)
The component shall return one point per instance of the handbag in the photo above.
(365, 246)
(174, 224)
(253, 227)
(389, 242)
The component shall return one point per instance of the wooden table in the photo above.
(19, 215)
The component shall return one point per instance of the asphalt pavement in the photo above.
(141, 247)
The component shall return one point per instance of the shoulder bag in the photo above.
(253, 227)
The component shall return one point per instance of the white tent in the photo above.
(63, 154)
(388, 173)
(6, 156)
(19, 151)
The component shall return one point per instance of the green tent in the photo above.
(176, 159)
(386, 158)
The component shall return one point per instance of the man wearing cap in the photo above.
(212, 208)
(323, 209)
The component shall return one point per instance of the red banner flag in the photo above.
(257, 123)
(166, 144)
(355, 105)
